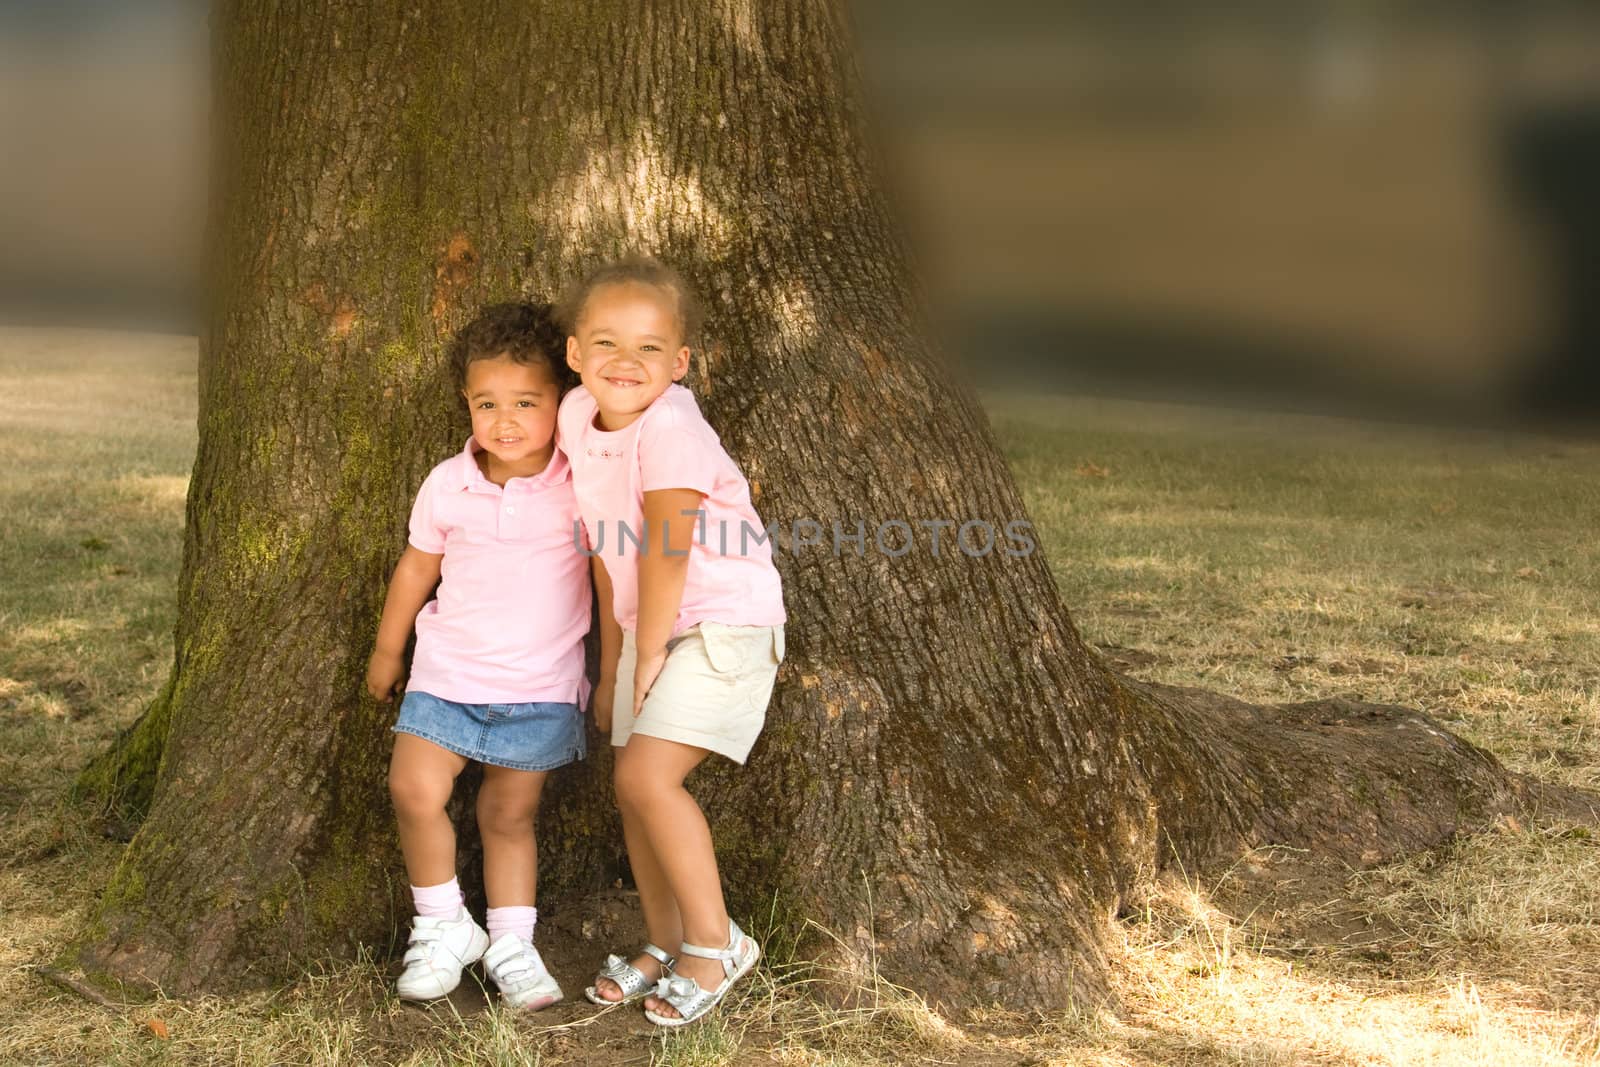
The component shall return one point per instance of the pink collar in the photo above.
(468, 476)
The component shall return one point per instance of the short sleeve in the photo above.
(569, 419)
(426, 534)
(674, 454)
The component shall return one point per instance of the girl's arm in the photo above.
(409, 589)
(610, 648)
(663, 567)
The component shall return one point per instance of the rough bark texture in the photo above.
(949, 780)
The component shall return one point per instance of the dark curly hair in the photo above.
(525, 332)
(640, 270)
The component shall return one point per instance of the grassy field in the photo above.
(1274, 557)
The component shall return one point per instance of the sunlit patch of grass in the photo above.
(1201, 988)
(714, 1042)
(151, 492)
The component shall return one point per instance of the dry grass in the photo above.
(1279, 558)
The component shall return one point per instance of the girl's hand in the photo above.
(645, 673)
(383, 675)
(605, 695)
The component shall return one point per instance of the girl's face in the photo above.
(513, 409)
(628, 348)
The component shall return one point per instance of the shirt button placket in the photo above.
(508, 520)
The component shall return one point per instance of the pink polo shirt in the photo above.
(512, 609)
(731, 578)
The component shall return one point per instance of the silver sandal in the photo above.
(628, 978)
(686, 995)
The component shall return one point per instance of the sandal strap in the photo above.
(726, 955)
(629, 982)
(708, 953)
(630, 979)
(686, 995)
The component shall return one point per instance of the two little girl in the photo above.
(690, 638)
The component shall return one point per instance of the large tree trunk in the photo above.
(949, 779)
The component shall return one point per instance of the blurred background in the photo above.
(102, 161)
(1344, 205)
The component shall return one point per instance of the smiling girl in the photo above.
(498, 672)
(691, 633)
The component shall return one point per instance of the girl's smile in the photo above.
(513, 409)
(628, 348)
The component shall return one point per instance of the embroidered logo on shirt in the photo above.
(604, 453)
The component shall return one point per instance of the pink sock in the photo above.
(437, 901)
(518, 920)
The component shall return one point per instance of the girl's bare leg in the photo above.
(649, 777)
(508, 803)
(421, 778)
(661, 921)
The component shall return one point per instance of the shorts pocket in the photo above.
(725, 650)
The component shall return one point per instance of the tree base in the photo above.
(121, 781)
(1353, 782)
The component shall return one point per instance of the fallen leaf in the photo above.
(1091, 470)
(1528, 573)
(157, 1027)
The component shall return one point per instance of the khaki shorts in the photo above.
(712, 692)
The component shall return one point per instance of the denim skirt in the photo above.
(538, 736)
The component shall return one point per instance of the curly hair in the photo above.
(526, 333)
(639, 270)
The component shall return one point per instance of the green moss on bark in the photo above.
(122, 779)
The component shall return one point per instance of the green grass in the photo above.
(1279, 558)
(96, 438)
(1287, 557)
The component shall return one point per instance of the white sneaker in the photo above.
(520, 974)
(440, 948)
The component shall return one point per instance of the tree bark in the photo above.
(950, 781)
